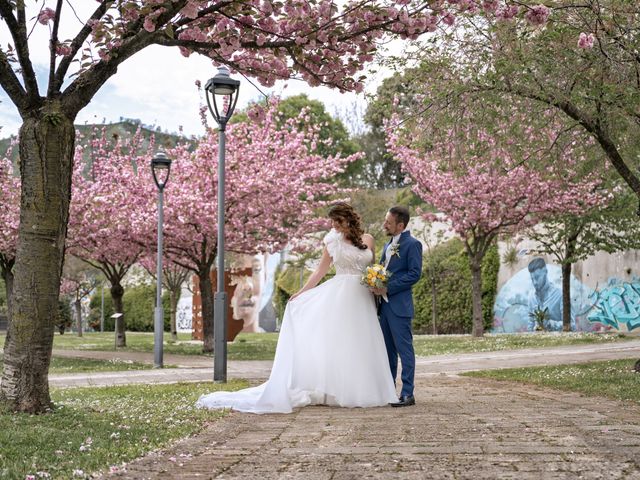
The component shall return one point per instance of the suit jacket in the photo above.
(406, 269)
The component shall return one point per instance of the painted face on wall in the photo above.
(539, 277)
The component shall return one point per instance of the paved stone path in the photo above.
(461, 428)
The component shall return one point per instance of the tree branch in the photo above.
(18, 29)
(76, 43)
(10, 83)
(53, 43)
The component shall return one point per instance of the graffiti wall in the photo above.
(617, 306)
(605, 295)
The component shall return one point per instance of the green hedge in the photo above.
(138, 303)
(449, 264)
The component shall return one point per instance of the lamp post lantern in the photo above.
(160, 167)
(224, 89)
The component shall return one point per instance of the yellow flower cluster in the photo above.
(375, 276)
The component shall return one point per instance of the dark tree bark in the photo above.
(173, 301)
(117, 292)
(566, 297)
(206, 293)
(434, 305)
(476, 296)
(78, 308)
(46, 142)
(567, 264)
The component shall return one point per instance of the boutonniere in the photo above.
(395, 250)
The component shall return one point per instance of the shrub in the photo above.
(449, 265)
(138, 303)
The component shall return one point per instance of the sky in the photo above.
(157, 86)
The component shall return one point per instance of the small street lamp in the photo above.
(223, 89)
(160, 167)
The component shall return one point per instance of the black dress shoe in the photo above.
(404, 401)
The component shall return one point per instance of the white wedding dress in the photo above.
(330, 349)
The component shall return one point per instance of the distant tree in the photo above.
(9, 220)
(107, 218)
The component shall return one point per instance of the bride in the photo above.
(330, 350)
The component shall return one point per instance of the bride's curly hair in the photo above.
(345, 214)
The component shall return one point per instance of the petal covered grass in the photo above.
(94, 429)
(615, 379)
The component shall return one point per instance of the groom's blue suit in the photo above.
(396, 314)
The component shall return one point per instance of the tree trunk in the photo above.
(117, 292)
(78, 307)
(476, 296)
(566, 297)
(174, 298)
(434, 305)
(46, 158)
(206, 294)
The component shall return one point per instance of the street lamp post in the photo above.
(160, 167)
(226, 89)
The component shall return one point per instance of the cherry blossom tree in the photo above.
(275, 182)
(316, 40)
(77, 284)
(107, 219)
(487, 181)
(582, 62)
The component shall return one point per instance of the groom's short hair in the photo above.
(401, 213)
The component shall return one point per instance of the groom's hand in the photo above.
(379, 291)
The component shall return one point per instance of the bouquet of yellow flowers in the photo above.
(376, 276)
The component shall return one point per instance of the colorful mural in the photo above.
(532, 300)
(617, 305)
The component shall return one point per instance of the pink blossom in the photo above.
(537, 15)
(63, 49)
(586, 40)
(507, 12)
(149, 25)
(448, 19)
(46, 15)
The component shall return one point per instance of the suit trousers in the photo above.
(398, 338)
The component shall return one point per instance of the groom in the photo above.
(402, 256)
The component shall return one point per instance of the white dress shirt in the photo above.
(387, 253)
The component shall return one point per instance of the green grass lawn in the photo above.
(426, 345)
(80, 365)
(262, 346)
(94, 429)
(246, 346)
(612, 378)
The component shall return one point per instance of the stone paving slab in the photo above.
(461, 428)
